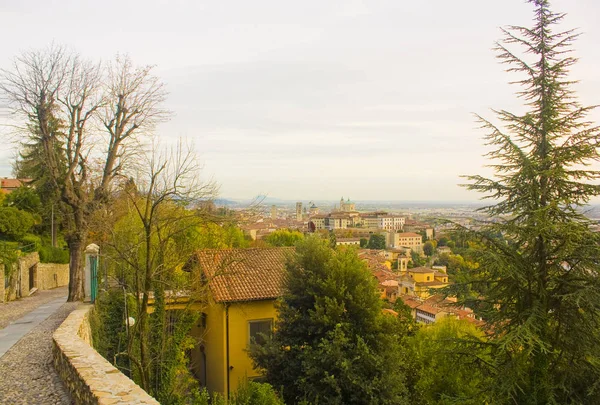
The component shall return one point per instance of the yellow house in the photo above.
(419, 280)
(243, 285)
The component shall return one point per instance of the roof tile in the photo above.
(236, 275)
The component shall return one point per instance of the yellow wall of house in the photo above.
(421, 277)
(423, 292)
(214, 338)
(239, 316)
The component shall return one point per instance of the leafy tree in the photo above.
(147, 246)
(213, 235)
(543, 301)
(445, 354)
(332, 240)
(451, 244)
(428, 248)
(332, 343)
(14, 223)
(364, 242)
(416, 260)
(24, 198)
(58, 95)
(376, 241)
(443, 241)
(283, 237)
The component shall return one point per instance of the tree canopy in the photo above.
(542, 299)
(15, 223)
(444, 354)
(376, 241)
(332, 343)
(283, 237)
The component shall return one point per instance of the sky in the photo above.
(313, 100)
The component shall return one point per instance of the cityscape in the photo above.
(278, 203)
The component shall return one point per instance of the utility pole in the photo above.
(52, 230)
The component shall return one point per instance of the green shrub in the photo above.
(254, 393)
(31, 242)
(15, 223)
(49, 254)
(107, 322)
(251, 393)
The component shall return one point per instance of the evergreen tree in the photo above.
(332, 343)
(542, 299)
(376, 241)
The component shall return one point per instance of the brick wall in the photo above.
(89, 377)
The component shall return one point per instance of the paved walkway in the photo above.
(26, 369)
(19, 328)
(13, 310)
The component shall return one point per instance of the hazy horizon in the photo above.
(315, 99)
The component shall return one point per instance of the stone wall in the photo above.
(52, 275)
(12, 287)
(89, 377)
(1, 283)
(25, 263)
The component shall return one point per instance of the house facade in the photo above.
(242, 287)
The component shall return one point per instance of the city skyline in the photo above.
(314, 99)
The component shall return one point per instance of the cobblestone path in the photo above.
(27, 375)
(13, 310)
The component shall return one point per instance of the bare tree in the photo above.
(160, 205)
(59, 97)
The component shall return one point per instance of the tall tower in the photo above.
(298, 211)
(273, 211)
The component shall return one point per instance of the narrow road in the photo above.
(13, 310)
(27, 375)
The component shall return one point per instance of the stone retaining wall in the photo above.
(25, 263)
(89, 377)
(52, 275)
(11, 287)
(1, 283)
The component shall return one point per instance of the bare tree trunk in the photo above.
(76, 290)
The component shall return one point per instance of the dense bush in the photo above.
(283, 237)
(251, 393)
(49, 254)
(31, 242)
(15, 223)
(108, 327)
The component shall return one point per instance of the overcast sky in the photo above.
(314, 99)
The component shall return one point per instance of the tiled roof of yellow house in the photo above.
(420, 270)
(244, 274)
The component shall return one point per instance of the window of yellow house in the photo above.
(258, 329)
(427, 278)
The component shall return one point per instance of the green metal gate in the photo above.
(94, 277)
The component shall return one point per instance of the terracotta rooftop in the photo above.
(420, 270)
(430, 309)
(12, 184)
(409, 235)
(236, 275)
